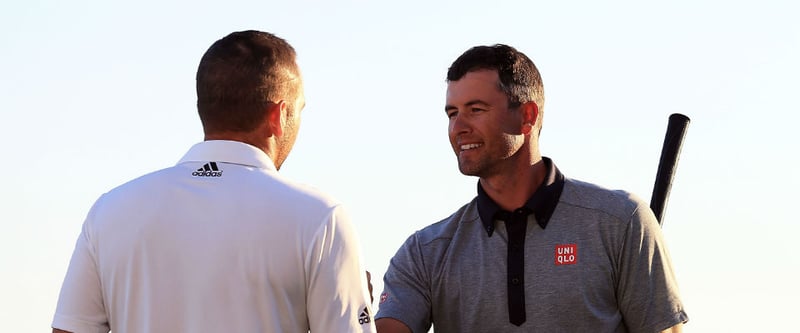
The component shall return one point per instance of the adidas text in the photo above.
(210, 169)
(207, 174)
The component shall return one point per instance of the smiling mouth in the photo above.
(469, 146)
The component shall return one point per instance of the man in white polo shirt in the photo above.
(221, 242)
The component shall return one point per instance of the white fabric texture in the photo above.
(218, 243)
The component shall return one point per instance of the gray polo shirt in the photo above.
(594, 260)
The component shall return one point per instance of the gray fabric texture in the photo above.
(453, 276)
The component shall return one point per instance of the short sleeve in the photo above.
(80, 305)
(647, 291)
(338, 294)
(407, 284)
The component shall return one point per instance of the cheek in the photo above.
(512, 143)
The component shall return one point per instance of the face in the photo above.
(485, 135)
(285, 142)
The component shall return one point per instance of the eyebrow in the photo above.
(473, 102)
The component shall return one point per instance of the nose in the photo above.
(458, 125)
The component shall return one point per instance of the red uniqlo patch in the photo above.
(566, 254)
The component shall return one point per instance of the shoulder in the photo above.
(445, 229)
(590, 197)
(244, 180)
(299, 192)
(426, 249)
(139, 186)
(253, 192)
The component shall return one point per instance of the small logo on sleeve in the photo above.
(384, 296)
(364, 317)
(566, 254)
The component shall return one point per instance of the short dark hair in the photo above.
(239, 75)
(519, 78)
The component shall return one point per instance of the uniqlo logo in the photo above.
(566, 254)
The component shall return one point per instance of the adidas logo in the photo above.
(364, 318)
(210, 169)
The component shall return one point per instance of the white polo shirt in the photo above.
(218, 243)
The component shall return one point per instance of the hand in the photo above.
(369, 285)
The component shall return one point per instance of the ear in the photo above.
(530, 113)
(276, 117)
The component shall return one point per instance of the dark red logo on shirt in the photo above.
(566, 254)
(384, 296)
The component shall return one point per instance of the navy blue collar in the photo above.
(542, 203)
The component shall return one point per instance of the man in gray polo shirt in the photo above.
(534, 251)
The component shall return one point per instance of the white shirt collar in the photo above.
(229, 152)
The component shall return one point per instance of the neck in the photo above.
(250, 138)
(511, 190)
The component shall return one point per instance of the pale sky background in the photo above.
(94, 93)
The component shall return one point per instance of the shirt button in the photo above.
(515, 281)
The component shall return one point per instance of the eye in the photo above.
(451, 113)
(477, 110)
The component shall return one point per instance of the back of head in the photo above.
(519, 77)
(239, 75)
